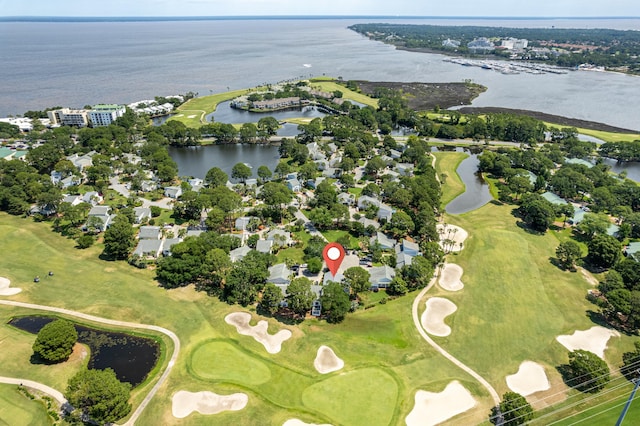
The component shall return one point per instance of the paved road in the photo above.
(169, 333)
(35, 385)
(308, 225)
(425, 336)
(120, 188)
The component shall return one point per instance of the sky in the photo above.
(479, 8)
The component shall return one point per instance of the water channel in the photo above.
(476, 192)
(130, 357)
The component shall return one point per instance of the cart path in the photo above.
(57, 395)
(454, 360)
(174, 356)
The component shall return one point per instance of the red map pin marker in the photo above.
(333, 254)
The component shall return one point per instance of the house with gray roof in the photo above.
(328, 276)
(172, 191)
(238, 254)
(381, 276)
(70, 181)
(394, 154)
(403, 259)
(92, 197)
(150, 233)
(102, 213)
(148, 248)
(365, 201)
(294, 185)
(408, 247)
(405, 169)
(264, 246)
(168, 243)
(385, 242)
(242, 223)
(74, 200)
(279, 275)
(385, 212)
(368, 222)
(280, 238)
(141, 213)
(313, 183)
(346, 198)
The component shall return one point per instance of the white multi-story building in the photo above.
(69, 117)
(103, 115)
(515, 43)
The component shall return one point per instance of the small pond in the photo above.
(225, 114)
(130, 357)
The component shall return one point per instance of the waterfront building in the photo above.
(103, 114)
(69, 117)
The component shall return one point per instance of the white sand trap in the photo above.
(529, 379)
(191, 116)
(453, 233)
(4, 287)
(272, 343)
(593, 340)
(432, 408)
(450, 277)
(184, 403)
(327, 361)
(298, 422)
(433, 317)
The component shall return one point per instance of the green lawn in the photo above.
(192, 112)
(447, 163)
(379, 345)
(355, 191)
(18, 410)
(333, 235)
(348, 94)
(600, 134)
(514, 301)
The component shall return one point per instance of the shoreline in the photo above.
(543, 116)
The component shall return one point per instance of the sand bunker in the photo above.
(450, 277)
(433, 317)
(191, 116)
(451, 233)
(4, 287)
(593, 340)
(529, 379)
(184, 403)
(298, 422)
(432, 408)
(272, 343)
(327, 361)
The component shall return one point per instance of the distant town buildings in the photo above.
(452, 44)
(514, 44)
(481, 45)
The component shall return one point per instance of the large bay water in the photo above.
(77, 63)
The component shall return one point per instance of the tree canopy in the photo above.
(586, 371)
(99, 395)
(514, 409)
(55, 341)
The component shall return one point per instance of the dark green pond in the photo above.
(130, 357)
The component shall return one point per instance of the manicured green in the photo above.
(382, 337)
(601, 134)
(222, 361)
(333, 235)
(515, 300)
(368, 397)
(192, 112)
(446, 164)
(18, 410)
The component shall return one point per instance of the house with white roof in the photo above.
(264, 246)
(150, 233)
(172, 192)
(386, 243)
(148, 248)
(141, 213)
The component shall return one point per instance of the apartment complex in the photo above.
(103, 114)
(69, 117)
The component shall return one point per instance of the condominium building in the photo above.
(69, 117)
(103, 115)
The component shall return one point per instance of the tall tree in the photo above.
(99, 395)
(241, 171)
(216, 177)
(568, 252)
(119, 238)
(335, 302)
(55, 341)
(299, 295)
(513, 410)
(586, 371)
(357, 278)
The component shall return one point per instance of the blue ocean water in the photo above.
(77, 63)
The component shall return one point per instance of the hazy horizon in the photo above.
(328, 8)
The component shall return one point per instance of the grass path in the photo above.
(446, 163)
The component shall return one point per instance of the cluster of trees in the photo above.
(621, 151)
(620, 290)
(626, 44)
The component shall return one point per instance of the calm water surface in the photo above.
(476, 192)
(130, 357)
(77, 63)
(196, 161)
